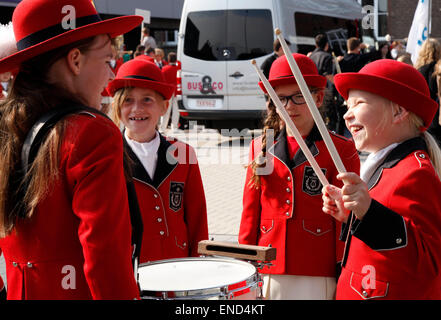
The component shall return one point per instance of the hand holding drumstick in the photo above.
(353, 196)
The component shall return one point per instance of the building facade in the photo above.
(394, 17)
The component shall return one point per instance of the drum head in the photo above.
(192, 274)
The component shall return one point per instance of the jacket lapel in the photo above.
(163, 167)
(280, 148)
(138, 170)
(397, 154)
(299, 157)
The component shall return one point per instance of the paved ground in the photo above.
(222, 161)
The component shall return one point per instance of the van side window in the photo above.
(225, 35)
(309, 25)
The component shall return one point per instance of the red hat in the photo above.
(44, 25)
(280, 72)
(142, 74)
(395, 81)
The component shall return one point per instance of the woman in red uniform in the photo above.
(393, 231)
(165, 171)
(58, 235)
(282, 196)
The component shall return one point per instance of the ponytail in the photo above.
(434, 152)
(433, 148)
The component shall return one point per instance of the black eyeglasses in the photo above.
(296, 98)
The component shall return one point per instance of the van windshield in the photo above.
(228, 34)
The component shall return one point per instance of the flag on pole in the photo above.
(419, 31)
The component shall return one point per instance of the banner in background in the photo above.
(419, 31)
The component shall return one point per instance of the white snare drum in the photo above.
(199, 278)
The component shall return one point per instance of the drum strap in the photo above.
(36, 137)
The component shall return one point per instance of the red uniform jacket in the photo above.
(395, 251)
(77, 244)
(286, 211)
(172, 204)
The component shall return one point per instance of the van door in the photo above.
(203, 72)
(250, 35)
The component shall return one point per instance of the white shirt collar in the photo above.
(147, 152)
(373, 161)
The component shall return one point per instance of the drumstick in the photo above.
(291, 125)
(311, 104)
(337, 65)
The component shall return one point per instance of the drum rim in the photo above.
(222, 292)
(228, 259)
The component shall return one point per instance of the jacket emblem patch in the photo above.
(311, 183)
(176, 194)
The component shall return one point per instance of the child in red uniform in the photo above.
(393, 233)
(165, 171)
(282, 206)
(62, 236)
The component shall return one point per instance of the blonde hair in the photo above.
(433, 148)
(118, 100)
(159, 52)
(430, 51)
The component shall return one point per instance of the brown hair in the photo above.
(31, 96)
(273, 122)
(272, 126)
(353, 43)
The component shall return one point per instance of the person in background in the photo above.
(405, 58)
(58, 223)
(150, 52)
(165, 170)
(428, 57)
(392, 210)
(147, 40)
(170, 72)
(159, 58)
(384, 50)
(140, 50)
(282, 204)
(397, 49)
(278, 52)
(322, 58)
(332, 109)
(354, 60)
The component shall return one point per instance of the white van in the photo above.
(218, 39)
